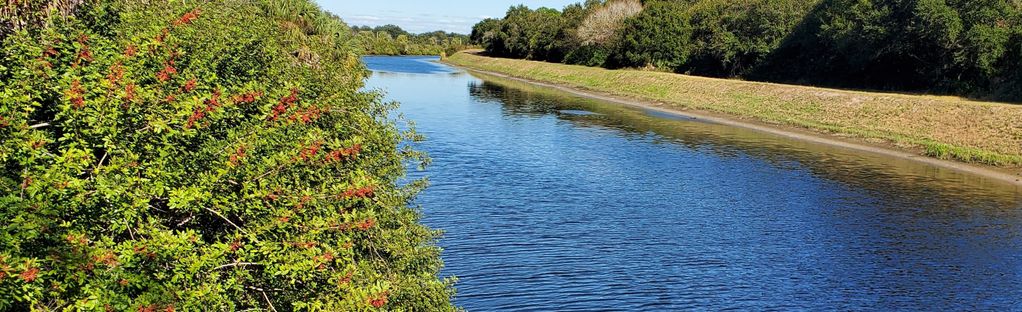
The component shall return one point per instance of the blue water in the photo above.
(406, 64)
(551, 202)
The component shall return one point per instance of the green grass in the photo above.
(947, 128)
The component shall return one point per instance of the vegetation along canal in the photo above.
(555, 202)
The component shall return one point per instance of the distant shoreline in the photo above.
(516, 70)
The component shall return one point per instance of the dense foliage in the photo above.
(201, 155)
(392, 40)
(966, 47)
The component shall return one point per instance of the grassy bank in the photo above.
(942, 127)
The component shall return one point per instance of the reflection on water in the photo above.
(554, 202)
(861, 170)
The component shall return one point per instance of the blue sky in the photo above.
(421, 16)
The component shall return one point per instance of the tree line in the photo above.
(963, 47)
(392, 40)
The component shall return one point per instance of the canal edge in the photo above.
(779, 130)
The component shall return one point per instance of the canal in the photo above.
(551, 202)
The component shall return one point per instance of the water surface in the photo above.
(551, 202)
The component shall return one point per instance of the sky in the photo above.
(418, 16)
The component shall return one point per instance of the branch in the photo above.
(263, 290)
(189, 218)
(232, 223)
(269, 302)
(235, 264)
(260, 177)
(42, 125)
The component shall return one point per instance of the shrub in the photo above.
(524, 33)
(210, 156)
(591, 55)
(659, 37)
(531, 34)
(729, 38)
(485, 32)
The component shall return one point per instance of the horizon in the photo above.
(457, 16)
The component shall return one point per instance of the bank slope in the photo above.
(946, 128)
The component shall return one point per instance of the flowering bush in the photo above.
(172, 155)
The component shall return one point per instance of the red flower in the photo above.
(162, 76)
(26, 183)
(365, 192)
(78, 240)
(310, 151)
(148, 308)
(284, 105)
(30, 275)
(144, 251)
(190, 85)
(379, 300)
(326, 257)
(85, 54)
(305, 245)
(129, 92)
(170, 98)
(277, 111)
(162, 36)
(195, 117)
(50, 52)
(116, 73)
(76, 94)
(323, 260)
(235, 245)
(291, 99)
(344, 153)
(247, 98)
(237, 156)
(123, 282)
(167, 71)
(346, 279)
(130, 51)
(108, 259)
(214, 101)
(367, 224)
(4, 122)
(200, 112)
(305, 200)
(307, 115)
(188, 17)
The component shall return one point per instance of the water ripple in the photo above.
(615, 209)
